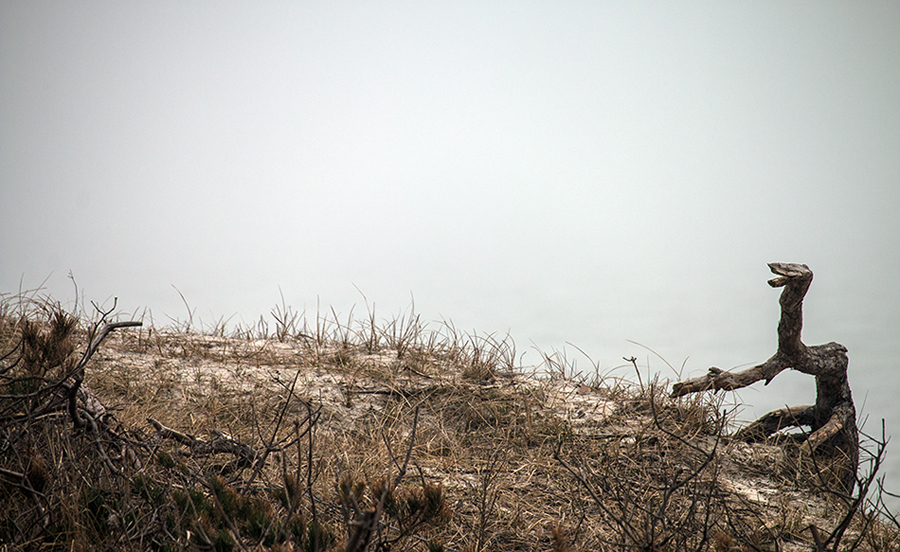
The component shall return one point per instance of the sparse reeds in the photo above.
(344, 435)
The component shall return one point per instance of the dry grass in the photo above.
(330, 435)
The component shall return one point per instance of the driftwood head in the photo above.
(788, 272)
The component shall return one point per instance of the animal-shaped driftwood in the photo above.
(832, 420)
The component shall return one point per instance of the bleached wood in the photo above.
(832, 419)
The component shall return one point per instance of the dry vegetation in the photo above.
(375, 435)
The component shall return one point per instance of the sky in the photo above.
(558, 170)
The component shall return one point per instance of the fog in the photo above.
(570, 173)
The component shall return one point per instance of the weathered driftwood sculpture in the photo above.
(832, 419)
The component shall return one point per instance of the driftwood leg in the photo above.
(792, 416)
(833, 418)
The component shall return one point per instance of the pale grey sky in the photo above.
(496, 160)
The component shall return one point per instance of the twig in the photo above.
(369, 521)
(79, 368)
(261, 461)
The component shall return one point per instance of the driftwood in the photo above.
(832, 420)
(220, 443)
